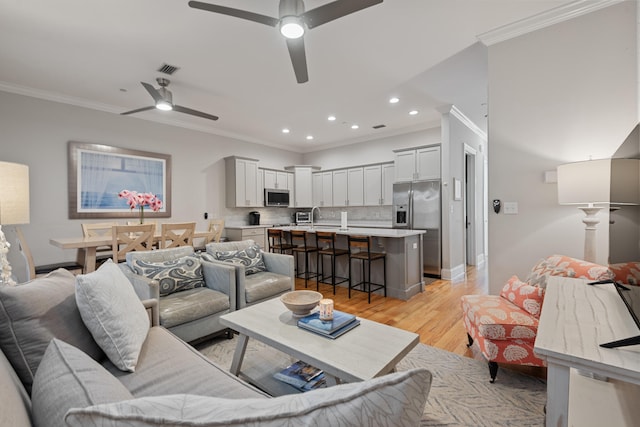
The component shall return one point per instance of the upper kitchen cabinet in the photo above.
(417, 164)
(303, 186)
(322, 189)
(348, 187)
(242, 182)
(277, 179)
(378, 184)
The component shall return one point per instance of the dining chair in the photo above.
(216, 226)
(98, 229)
(128, 238)
(31, 270)
(177, 234)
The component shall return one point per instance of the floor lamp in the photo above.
(14, 209)
(596, 184)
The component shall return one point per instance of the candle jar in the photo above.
(326, 309)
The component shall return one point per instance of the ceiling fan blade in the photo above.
(298, 59)
(153, 92)
(138, 110)
(243, 14)
(186, 110)
(334, 10)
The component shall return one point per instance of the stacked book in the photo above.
(341, 323)
(302, 376)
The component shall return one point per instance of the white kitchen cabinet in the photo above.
(303, 186)
(242, 182)
(355, 187)
(277, 179)
(417, 164)
(339, 184)
(323, 189)
(378, 184)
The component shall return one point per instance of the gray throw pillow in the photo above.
(396, 399)
(250, 258)
(35, 312)
(113, 313)
(173, 276)
(68, 378)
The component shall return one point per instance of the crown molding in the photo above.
(455, 112)
(544, 19)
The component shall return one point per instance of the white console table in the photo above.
(575, 319)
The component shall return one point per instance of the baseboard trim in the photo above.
(454, 273)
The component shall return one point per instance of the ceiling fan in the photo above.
(292, 21)
(164, 101)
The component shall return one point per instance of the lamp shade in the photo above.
(605, 181)
(14, 193)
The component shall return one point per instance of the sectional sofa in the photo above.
(85, 351)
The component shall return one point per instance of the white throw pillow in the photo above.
(396, 399)
(113, 313)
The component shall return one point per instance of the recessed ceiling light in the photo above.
(394, 100)
(285, 130)
(331, 118)
(354, 126)
(413, 112)
(309, 137)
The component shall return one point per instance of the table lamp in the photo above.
(597, 184)
(14, 208)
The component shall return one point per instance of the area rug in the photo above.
(460, 395)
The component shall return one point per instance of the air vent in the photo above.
(379, 126)
(168, 69)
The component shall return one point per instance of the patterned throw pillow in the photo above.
(525, 296)
(564, 266)
(174, 276)
(251, 258)
(627, 272)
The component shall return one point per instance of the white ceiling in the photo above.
(96, 53)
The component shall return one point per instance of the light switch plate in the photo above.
(510, 208)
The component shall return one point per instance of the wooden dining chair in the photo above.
(177, 234)
(128, 238)
(98, 229)
(216, 227)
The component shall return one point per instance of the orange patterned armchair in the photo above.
(505, 325)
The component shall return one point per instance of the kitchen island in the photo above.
(404, 256)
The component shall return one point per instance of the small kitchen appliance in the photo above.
(254, 218)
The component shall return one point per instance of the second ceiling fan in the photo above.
(292, 22)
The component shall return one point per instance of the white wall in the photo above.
(560, 94)
(36, 132)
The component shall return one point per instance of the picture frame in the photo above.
(97, 173)
(457, 189)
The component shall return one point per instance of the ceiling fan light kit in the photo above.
(291, 22)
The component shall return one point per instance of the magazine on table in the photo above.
(300, 374)
(313, 322)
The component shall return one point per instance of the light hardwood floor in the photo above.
(434, 314)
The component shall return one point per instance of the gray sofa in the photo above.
(191, 314)
(275, 279)
(56, 374)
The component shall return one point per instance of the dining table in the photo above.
(88, 246)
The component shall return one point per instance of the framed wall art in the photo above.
(98, 173)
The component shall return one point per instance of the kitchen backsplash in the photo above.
(269, 216)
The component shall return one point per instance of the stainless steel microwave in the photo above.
(276, 197)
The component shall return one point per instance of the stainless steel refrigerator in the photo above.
(416, 206)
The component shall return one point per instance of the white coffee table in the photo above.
(367, 351)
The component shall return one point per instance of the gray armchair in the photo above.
(193, 313)
(254, 288)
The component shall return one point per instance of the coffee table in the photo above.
(367, 351)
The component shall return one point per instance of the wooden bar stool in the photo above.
(362, 245)
(278, 242)
(326, 243)
(299, 239)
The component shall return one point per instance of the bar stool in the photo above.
(278, 241)
(299, 239)
(326, 243)
(364, 255)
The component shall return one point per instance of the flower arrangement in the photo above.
(140, 200)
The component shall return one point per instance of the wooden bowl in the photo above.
(301, 302)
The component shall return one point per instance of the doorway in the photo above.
(469, 201)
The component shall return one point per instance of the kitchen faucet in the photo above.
(312, 209)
